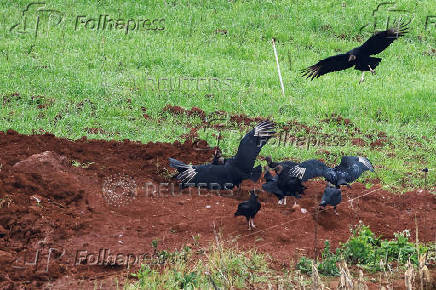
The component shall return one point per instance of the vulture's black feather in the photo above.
(359, 57)
(230, 172)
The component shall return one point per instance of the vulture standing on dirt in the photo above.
(332, 196)
(249, 209)
(359, 57)
(282, 185)
(228, 172)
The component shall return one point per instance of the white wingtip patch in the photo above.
(297, 171)
(264, 129)
(366, 162)
(187, 175)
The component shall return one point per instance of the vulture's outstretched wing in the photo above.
(308, 169)
(353, 167)
(381, 40)
(330, 64)
(251, 144)
(206, 175)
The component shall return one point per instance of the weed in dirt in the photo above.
(5, 201)
(328, 266)
(76, 163)
(219, 267)
(367, 251)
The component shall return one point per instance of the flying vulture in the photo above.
(230, 172)
(359, 57)
(249, 209)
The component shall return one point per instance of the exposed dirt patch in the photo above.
(378, 143)
(244, 120)
(192, 135)
(96, 130)
(358, 142)
(338, 119)
(71, 216)
(145, 115)
(295, 125)
(177, 110)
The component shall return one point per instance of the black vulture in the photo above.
(232, 171)
(350, 169)
(249, 209)
(332, 196)
(282, 185)
(359, 57)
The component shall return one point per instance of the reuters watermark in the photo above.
(120, 190)
(188, 83)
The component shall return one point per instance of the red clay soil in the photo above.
(358, 142)
(177, 110)
(68, 207)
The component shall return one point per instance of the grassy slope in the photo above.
(102, 70)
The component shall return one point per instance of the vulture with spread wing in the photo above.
(359, 57)
(350, 169)
(230, 172)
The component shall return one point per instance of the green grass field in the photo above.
(100, 78)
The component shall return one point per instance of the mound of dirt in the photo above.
(76, 212)
(49, 175)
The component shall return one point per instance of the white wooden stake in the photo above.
(278, 67)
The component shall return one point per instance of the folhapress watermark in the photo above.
(105, 22)
(43, 259)
(36, 18)
(284, 138)
(387, 14)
